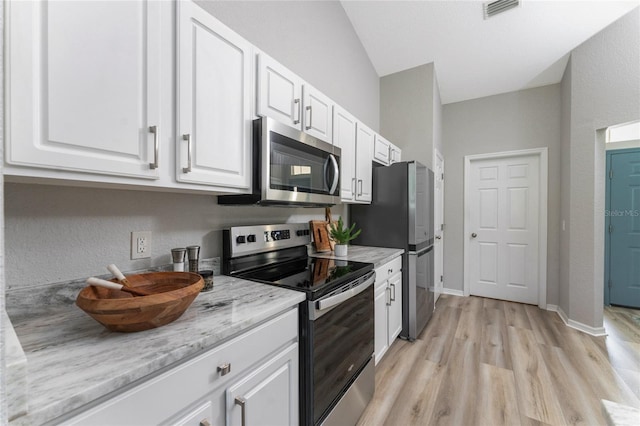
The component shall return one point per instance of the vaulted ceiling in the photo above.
(527, 46)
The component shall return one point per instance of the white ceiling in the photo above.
(521, 48)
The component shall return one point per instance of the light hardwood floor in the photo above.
(489, 362)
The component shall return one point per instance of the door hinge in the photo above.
(443, 176)
(441, 278)
(610, 285)
(611, 229)
(610, 173)
(442, 227)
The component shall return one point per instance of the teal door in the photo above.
(623, 228)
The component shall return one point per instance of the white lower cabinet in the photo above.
(254, 375)
(387, 306)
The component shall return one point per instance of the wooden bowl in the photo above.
(171, 295)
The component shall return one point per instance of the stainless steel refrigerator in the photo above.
(401, 216)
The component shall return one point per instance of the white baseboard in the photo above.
(452, 292)
(593, 331)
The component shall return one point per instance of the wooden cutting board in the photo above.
(320, 235)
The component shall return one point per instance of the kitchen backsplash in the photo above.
(58, 234)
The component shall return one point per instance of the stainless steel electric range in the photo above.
(336, 320)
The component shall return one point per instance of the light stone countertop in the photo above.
(376, 255)
(73, 360)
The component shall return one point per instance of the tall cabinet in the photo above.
(214, 73)
(81, 96)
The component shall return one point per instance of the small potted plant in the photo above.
(342, 235)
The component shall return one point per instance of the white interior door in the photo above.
(438, 223)
(502, 213)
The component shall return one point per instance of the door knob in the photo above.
(474, 235)
(438, 237)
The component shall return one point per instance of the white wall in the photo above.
(604, 90)
(62, 233)
(507, 122)
(3, 399)
(316, 40)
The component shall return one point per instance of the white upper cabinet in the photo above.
(83, 86)
(395, 154)
(355, 141)
(344, 137)
(318, 110)
(381, 151)
(279, 92)
(214, 101)
(364, 156)
(285, 97)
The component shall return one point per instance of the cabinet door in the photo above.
(268, 395)
(380, 306)
(279, 92)
(395, 309)
(344, 137)
(395, 154)
(318, 114)
(364, 156)
(83, 86)
(381, 150)
(214, 101)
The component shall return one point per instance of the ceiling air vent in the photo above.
(492, 8)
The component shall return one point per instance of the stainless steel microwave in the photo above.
(290, 168)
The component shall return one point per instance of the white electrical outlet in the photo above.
(141, 245)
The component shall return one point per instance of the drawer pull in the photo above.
(390, 271)
(224, 369)
(243, 405)
(204, 422)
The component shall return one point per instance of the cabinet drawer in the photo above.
(388, 269)
(161, 397)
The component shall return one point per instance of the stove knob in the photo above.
(240, 239)
(251, 238)
(300, 232)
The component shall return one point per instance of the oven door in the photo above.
(341, 332)
(298, 168)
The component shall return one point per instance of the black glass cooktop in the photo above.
(315, 276)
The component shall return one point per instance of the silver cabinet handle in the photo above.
(360, 186)
(474, 235)
(205, 422)
(224, 369)
(187, 138)
(156, 147)
(388, 291)
(393, 298)
(296, 109)
(243, 407)
(308, 126)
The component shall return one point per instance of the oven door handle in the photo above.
(332, 301)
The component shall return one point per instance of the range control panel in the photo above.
(243, 240)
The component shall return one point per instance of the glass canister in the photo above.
(207, 276)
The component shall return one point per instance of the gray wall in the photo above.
(407, 112)
(604, 90)
(518, 120)
(316, 40)
(61, 233)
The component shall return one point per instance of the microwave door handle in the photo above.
(336, 173)
(332, 301)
